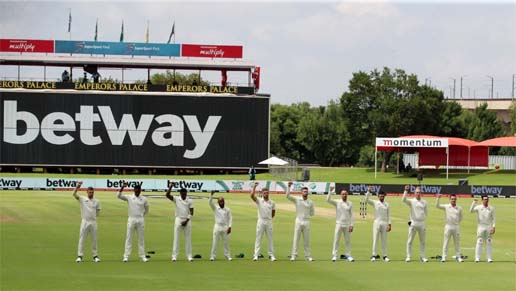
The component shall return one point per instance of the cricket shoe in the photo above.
(96, 259)
(459, 259)
(310, 259)
(229, 258)
(334, 259)
(190, 259)
(477, 260)
(273, 258)
(174, 259)
(125, 260)
(212, 259)
(407, 259)
(292, 258)
(373, 258)
(145, 260)
(255, 258)
(489, 260)
(424, 260)
(79, 259)
(386, 259)
(350, 259)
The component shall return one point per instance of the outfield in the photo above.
(39, 233)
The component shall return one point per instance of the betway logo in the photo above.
(427, 189)
(55, 125)
(486, 190)
(185, 184)
(10, 183)
(359, 188)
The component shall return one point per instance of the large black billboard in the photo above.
(133, 129)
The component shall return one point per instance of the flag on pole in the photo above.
(70, 21)
(122, 32)
(147, 33)
(172, 32)
(96, 29)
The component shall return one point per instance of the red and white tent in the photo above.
(437, 151)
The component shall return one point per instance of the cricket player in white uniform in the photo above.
(417, 223)
(453, 217)
(90, 208)
(486, 227)
(266, 212)
(138, 207)
(344, 223)
(304, 210)
(222, 226)
(382, 222)
(182, 223)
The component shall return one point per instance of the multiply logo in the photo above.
(22, 45)
(55, 128)
(213, 52)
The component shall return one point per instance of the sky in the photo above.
(307, 50)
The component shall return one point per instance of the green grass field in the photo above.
(39, 234)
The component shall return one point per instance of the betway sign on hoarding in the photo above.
(26, 45)
(412, 142)
(99, 129)
(211, 51)
(117, 48)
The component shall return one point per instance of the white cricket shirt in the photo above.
(381, 210)
(137, 206)
(89, 208)
(222, 215)
(418, 208)
(183, 207)
(304, 208)
(265, 208)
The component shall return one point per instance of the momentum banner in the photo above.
(412, 142)
(51, 128)
(117, 48)
(234, 186)
(26, 45)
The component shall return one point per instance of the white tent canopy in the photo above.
(274, 161)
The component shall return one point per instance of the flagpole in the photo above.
(70, 23)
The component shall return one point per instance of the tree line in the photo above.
(380, 103)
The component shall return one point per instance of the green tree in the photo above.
(325, 134)
(284, 129)
(512, 116)
(171, 77)
(483, 124)
(389, 104)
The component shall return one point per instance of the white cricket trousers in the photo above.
(380, 231)
(261, 227)
(341, 229)
(451, 231)
(420, 228)
(301, 227)
(218, 232)
(87, 226)
(138, 225)
(187, 230)
(484, 236)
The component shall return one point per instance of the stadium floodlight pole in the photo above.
(454, 80)
(492, 86)
(461, 78)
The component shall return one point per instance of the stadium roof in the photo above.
(173, 63)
